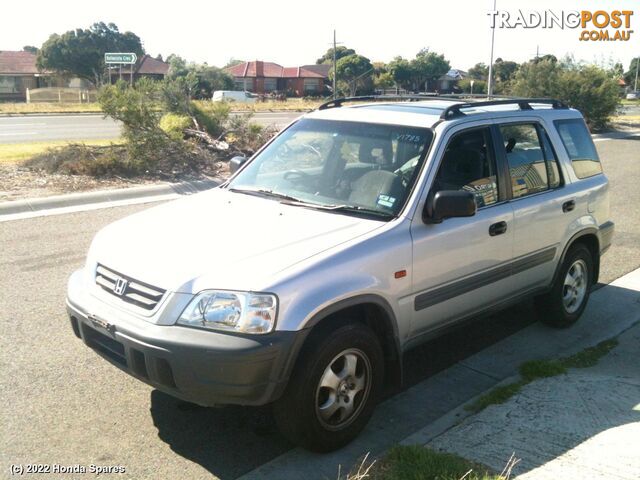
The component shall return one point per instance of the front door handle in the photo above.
(568, 206)
(497, 228)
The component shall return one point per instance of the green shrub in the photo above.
(174, 125)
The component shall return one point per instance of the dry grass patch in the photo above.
(21, 152)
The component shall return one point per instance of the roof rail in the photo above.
(453, 111)
(335, 103)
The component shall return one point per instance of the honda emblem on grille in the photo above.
(120, 286)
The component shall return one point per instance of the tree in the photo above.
(591, 90)
(204, 79)
(479, 86)
(340, 53)
(537, 78)
(588, 88)
(353, 71)
(210, 79)
(233, 62)
(80, 52)
(630, 75)
(30, 49)
(427, 67)
(400, 70)
(177, 66)
(479, 71)
(504, 71)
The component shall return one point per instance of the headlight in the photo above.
(231, 311)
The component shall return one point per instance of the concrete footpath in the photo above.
(584, 424)
(431, 409)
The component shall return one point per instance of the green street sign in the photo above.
(121, 58)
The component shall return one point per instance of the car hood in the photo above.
(220, 239)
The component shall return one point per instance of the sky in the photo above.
(294, 33)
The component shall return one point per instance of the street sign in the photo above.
(121, 58)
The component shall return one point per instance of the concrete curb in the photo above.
(103, 196)
(453, 417)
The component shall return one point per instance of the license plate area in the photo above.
(105, 345)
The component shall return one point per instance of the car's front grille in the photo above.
(128, 289)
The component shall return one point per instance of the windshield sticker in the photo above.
(386, 201)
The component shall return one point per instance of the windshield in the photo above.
(340, 166)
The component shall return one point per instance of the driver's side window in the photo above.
(469, 164)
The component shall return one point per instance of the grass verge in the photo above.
(535, 369)
(21, 108)
(415, 462)
(20, 152)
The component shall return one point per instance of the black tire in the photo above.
(297, 412)
(552, 307)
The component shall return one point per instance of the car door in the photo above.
(543, 208)
(461, 265)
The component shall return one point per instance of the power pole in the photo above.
(335, 69)
(635, 85)
(493, 35)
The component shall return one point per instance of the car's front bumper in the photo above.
(204, 367)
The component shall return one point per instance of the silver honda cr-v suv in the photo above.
(355, 234)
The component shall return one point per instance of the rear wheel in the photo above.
(333, 390)
(566, 301)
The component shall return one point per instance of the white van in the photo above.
(233, 96)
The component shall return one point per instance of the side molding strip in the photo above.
(460, 287)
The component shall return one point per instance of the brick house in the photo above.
(266, 77)
(146, 66)
(18, 72)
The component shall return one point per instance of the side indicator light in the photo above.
(400, 274)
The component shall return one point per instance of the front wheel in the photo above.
(333, 389)
(566, 301)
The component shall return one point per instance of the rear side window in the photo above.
(532, 164)
(580, 148)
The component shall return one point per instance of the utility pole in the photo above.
(335, 69)
(493, 35)
(635, 85)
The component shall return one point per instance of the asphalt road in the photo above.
(62, 404)
(44, 128)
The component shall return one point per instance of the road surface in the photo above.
(65, 405)
(46, 128)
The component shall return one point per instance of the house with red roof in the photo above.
(266, 77)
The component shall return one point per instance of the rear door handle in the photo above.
(568, 206)
(497, 228)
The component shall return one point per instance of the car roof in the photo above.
(427, 113)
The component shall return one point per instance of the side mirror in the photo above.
(236, 162)
(448, 204)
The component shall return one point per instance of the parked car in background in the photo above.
(356, 234)
(233, 96)
(633, 95)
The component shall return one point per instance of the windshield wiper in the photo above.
(263, 192)
(296, 202)
(342, 208)
(358, 209)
